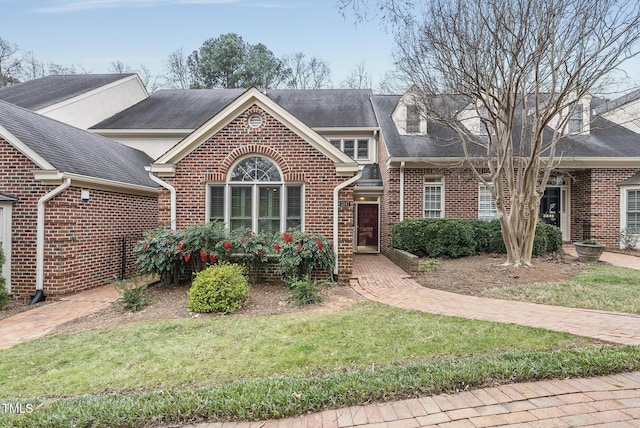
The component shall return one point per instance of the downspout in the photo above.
(39, 296)
(172, 191)
(336, 195)
(401, 191)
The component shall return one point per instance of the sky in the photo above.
(92, 34)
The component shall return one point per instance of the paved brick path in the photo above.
(40, 321)
(378, 279)
(604, 402)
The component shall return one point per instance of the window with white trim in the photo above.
(433, 197)
(574, 124)
(633, 210)
(486, 204)
(357, 148)
(413, 119)
(256, 198)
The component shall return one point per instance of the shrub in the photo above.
(301, 253)
(482, 232)
(449, 238)
(553, 236)
(158, 254)
(198, 247)
(628, 238)
(133, 295)
(452, 238)
(304, 291)
(219, 288)
(4, 293)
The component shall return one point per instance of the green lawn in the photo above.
(603, 287)
(248, 368)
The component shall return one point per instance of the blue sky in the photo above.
(91, 34)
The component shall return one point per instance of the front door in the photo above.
(554, 209)
(367, 228)
(550, 206)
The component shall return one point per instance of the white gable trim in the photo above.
(344, 164)
(25, 150)
(93, 92)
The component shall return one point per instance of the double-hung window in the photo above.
(633, 210)
(413, 119)
(433, 197)
(486, 204)
(256, 198)
(574, 124)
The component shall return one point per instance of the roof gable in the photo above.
(53, 145)
(238, 106)
(49, 90)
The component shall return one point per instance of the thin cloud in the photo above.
(64, 6)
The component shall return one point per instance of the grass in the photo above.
(608, 288)
(252, 368)
(284, 396)
(276, 366)
(200, 352)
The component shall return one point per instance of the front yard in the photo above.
(272, 359)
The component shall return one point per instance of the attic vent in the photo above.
(255, 120)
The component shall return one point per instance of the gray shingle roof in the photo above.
(49, 90)
(606, 139)
(440, 141)
(75, 151)
(190, 108)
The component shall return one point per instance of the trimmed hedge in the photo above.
(453, 238)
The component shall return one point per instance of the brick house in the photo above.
(72, 205)
(348, 163)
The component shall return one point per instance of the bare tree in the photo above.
(148, 80)
(359, 78)
(312, 74)
(10, 63)
(519, 69)
(178, 75)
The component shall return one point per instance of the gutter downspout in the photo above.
(172, 191)
(336, 194)
(39, 296)
(401, 191)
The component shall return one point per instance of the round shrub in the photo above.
(219, 288)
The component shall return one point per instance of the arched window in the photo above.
(256, 198)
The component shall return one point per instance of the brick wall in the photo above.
(595, 204)
(83, 240)
(595, 199)
(298, 160)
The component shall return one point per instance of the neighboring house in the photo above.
(78, 100)
(72, 205)
(345, 163)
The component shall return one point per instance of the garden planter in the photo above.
(588, 253)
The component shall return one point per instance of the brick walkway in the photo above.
(378, 279)
(604, 402)
(40, 321)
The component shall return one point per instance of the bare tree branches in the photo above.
(507, 75)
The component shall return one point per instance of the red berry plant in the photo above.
(300, 253)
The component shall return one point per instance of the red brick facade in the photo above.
(594, 199)
(83, 240)
(299, 161)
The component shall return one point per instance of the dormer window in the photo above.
(413, 119)
(575, 123)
